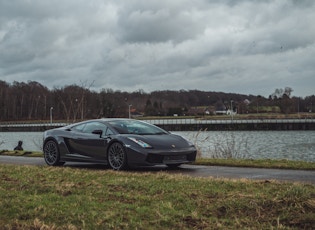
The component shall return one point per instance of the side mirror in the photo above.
(98, 132)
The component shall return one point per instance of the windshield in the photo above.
(135, 127)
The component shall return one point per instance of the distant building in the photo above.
(231, 112)
(246, 102)
(220, 112)
(134, 113)
(201, 110)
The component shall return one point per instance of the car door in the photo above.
(87, 144)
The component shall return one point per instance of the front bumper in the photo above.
(154, 157)
(171, 157)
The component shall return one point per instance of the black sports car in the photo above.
(120, 143)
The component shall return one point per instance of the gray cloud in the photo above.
(160, 21)
(249, 47)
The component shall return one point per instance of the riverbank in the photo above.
(291, 145)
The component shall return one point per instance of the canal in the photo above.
(292, 145)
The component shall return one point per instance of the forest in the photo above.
(20, 101)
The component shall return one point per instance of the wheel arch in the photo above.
(113, 141)
(50, 139)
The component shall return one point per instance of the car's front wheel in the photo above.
(51, 153)
(117, 157)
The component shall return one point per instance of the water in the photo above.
(292, 145)
(32, 141)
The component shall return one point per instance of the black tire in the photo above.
(117, 157)
(51, 153)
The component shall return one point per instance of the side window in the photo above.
(78, 128)
(108, 132)
(91, 126)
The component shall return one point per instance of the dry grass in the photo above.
(77, 198)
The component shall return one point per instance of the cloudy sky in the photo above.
(238, 46)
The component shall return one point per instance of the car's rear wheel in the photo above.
(51, 153)
(117, 157)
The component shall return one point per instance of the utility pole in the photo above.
(51, 109)
(129, 111)
(231, 110)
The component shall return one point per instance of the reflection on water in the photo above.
(293, 145)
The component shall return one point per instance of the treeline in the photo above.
(33, 101)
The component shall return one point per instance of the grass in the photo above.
(34, 197)
(21, 153)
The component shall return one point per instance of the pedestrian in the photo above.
(19, 146)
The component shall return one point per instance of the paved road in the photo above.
(303, 176)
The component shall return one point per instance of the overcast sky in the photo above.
(232, 46)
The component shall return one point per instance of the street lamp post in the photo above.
(129, 111)
(51, 109)
(231, 110)
(129, 105)
(299, 107)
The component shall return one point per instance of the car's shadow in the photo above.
(157, 168)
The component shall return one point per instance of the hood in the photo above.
(163, 141)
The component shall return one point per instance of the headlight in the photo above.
(189, 142)
(140, 142)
